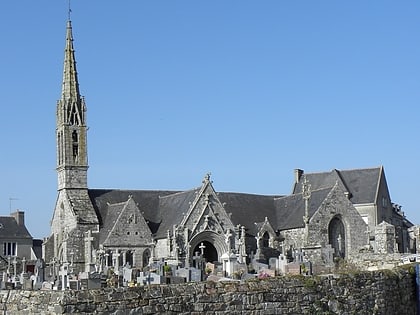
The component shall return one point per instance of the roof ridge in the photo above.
(179, 193)
(344, 170)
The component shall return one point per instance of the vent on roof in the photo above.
(1, 225)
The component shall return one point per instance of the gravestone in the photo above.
(281, 264)
(127, 275)
(46, 286)
(74, 284)
(293, 268)
(273, 263)
(183, 272)
(195, 275)
(146, 278)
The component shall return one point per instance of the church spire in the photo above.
(70, 95)
(70, 87)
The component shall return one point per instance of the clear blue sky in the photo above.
(246, 90)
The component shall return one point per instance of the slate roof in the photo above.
(173, 208)
(362, 184)
(291, 209)
(113, 212)
(82, 205)
(9, 229)
(163, 209)
(246, 209)
(147, 200)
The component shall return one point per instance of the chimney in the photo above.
(19, 216)
(298, 175)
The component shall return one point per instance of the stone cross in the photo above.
(258, 238)
(63, 273)
(306, 194)
(23, 265)
(202, 247)
(14, 267)
(101, 253)
(197, 259)
(88, 248)
(116, 257)
(8, 265)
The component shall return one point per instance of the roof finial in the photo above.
(69, 10)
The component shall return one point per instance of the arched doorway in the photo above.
(337, 237)
(209, 251)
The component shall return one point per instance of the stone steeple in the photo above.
(71, 129)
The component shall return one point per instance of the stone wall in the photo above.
(379, 292)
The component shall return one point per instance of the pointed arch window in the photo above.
(75, 138)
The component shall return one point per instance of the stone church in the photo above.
(340, 211)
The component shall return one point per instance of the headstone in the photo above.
(147, 278)
(210, 267)
(9, 285)
(127, 273)
(273, 263)
(63, 273)
(293, 268)
(46, 286)
(306, 268)
(195, 275)
(281, 264)
(74, 284)
(39, 270)
(327, 255)
(27, 284)
(184, 273)
(94, 281)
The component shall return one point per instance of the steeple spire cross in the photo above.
(69, 12)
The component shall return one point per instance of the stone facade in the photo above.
(366, 293)
(328, 215)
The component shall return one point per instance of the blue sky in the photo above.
(246, 90)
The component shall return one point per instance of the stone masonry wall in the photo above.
(380, 292)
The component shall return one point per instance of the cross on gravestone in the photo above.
(63, 273)
(197, 259)
(202, 247)
(14, 267)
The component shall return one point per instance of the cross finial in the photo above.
(207, 178)
(69, 12)
(306, 189)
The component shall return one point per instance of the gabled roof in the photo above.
(114, 210)
(291, 209)
(173, 208)
(9, 229)
(246, 209)
(362, 184)
(147, 200)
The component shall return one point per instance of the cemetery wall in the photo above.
(378, 292)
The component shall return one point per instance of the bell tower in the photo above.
(75, 224)
(71, 132)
